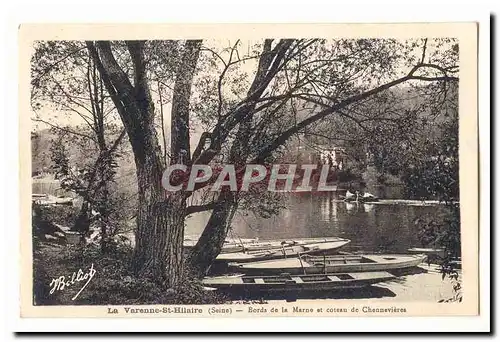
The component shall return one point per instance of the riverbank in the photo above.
(61, 271)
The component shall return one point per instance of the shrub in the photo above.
(63, 215)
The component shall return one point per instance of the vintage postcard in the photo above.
(249, 170)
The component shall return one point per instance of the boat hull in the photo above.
(246, 245)
(280, 253)
(330, 264)
(429, 251)
(286, 282)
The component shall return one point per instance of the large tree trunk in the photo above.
(212, 239)
(160, 218)
(160, 229)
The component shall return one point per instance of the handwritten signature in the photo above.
(60, 283)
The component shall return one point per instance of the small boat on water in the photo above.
(307, 264)
(282, 252)
(245, 245)
(47, 200)
(287, 282)
(429, 251)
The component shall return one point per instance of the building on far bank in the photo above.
(319, 154)
(334, 156)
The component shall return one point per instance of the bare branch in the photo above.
(215, 54)
(341, 105)
(422, 60)
(66, 130)
(221, 77)
(199, 208)
(49, 68)
(180, 134)
(69, 97)
(162, 124)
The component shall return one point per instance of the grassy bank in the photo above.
(112, 284)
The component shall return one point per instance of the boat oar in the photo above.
(324, 263)
(242, 245)
(283, 247)
(301, 264)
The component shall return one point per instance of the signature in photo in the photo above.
(62, 282)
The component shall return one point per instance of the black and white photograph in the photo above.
(186, 176)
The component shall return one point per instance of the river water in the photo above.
(388, 226)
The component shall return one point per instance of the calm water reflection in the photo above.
(370, 227)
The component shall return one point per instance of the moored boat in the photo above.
(230, 245)
(282, 252)
(429, 251)
(44, 199)
(287, 282)
(307, 264)
(245, 245)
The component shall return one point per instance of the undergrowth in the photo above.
(113, 282)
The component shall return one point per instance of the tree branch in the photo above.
(199, 208)
(422, 60)
(339, 106)
(221, 77)
(162, 124)
(180, 149)
(269, 64)
(47, 70)
(66, 130)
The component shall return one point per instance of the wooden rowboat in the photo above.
(46, 200)
(230, 245)
(330, 264)
(282, 252)
(287, 282)
(428, 251)
(248, 245)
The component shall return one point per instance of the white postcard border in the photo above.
(341, 323)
